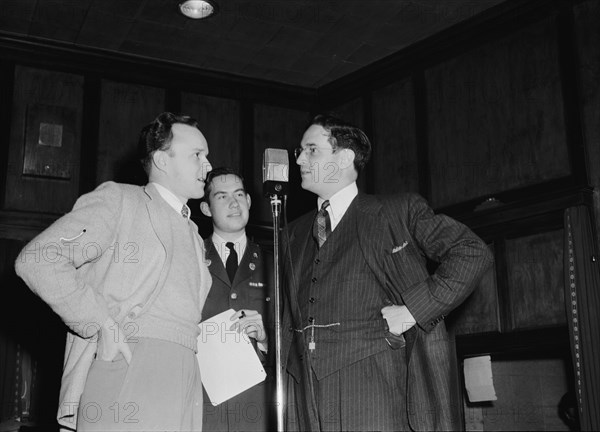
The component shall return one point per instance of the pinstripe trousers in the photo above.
(369, 395)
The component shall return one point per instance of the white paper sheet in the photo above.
(478, 379)
(228, 363)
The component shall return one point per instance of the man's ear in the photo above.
(205, 209)
(347, 159)
(249, 200)
(159, 159)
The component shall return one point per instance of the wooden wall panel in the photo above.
(220, 123)
(394, 160)
(354, 112)
(276, 127)
(124, 110)
(60, 97)
(32, 343)
(587, 34)
(496, 118)
(536, 280)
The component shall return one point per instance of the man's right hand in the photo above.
(112, 342)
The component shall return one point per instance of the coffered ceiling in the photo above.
(307, 43)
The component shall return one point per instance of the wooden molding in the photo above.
(537, 343)
(123, 68)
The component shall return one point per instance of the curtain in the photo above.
(582, 298)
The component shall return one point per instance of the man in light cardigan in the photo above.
(125, 271)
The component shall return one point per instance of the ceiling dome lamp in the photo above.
(198, 9)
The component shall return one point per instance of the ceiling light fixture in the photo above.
(198, 9)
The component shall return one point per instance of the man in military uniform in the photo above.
(241, 281)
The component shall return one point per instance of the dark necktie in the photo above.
(185, 212)
(231, 264)
(322, 224)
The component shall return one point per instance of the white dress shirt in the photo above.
(339, 203)
(239, 245)
(171, 199)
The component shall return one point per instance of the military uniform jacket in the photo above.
(252, 288)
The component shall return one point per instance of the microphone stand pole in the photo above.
(276, 210)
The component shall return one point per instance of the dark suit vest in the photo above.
(337, 286)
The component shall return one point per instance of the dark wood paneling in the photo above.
(571, 95)
(173, 101)
(351, 111)
(394, 162)
(220, 123)
(535, 342)
(7, 77)
(91, 118)
(587, 36)
(354, 112)
(32, 339)
(276, 127)
(247, 142)
(536, 280)
(148, 72)
(61, 92)
(422, 134)
(495, 117)
(125, 109)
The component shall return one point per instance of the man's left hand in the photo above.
(399, 319)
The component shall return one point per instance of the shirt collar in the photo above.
(239, 244)
(339, 203)
(171, 199)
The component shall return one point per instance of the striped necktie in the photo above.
(322, 224)
(185, 211)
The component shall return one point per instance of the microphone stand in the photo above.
(276, 211)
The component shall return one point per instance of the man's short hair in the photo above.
(217, 172)
(345, 135)
(158, 136)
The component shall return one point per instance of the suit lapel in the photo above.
(159, 217)
(159, 221)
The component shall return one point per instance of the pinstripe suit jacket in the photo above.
(395, 235)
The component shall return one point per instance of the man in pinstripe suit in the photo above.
(364, 341)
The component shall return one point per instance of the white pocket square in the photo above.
(399, 248)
